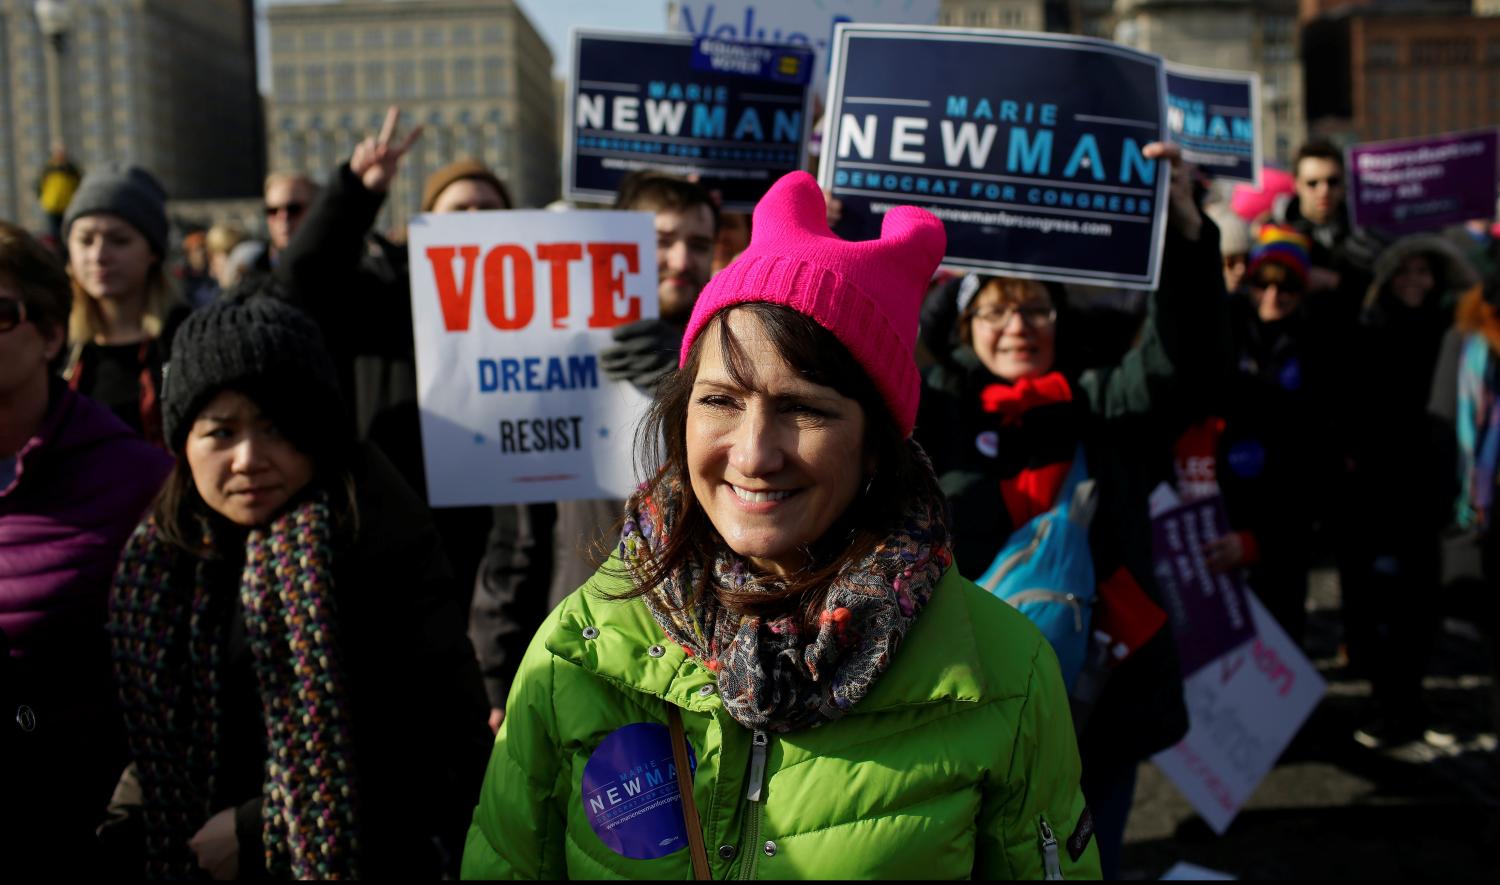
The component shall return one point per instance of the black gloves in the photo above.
(645, 353)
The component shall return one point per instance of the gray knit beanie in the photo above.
(266, 349)
(129, 192)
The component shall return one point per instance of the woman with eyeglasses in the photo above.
(73, 482)
(1006, 421)
(123, 309)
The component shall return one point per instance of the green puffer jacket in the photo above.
(960, 762)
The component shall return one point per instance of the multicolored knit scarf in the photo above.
(771, 677)
(167, 630)
(1478, 429)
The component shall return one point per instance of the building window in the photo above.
(1435, 53)
(406, 79)
(281, 40)
(1492, 52)
(463, 35)
(375, 80)
(494, 76)
(315, 82)
(343, 38)
(1382, 53)
(343, 81)
(432, 36)
(284, 82)
(493, 33)
(434, 82)
(374, 37)
(402, 38)
(313, 40)
(463, 78)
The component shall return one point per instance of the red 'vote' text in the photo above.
(513, 307)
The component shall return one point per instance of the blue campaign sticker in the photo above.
(1247, 458)
(630, 792)
(1290, 377)
(780, 64)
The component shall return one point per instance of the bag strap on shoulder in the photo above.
(696, 847)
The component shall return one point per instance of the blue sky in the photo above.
(552, 18)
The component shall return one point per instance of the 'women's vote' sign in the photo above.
(735, 115)
(1026, 145)
(1215, 117)
(510, 311)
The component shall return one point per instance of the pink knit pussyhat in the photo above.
(867, 294)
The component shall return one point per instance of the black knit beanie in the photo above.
(265, 349)
(129, 192)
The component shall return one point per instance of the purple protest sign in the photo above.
(1209, 613)
(1400, 187)
(630, 792)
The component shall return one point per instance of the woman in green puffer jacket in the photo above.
(783, 589)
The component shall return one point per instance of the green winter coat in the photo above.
(959, 762)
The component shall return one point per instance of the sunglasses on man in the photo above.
(12, 313)
(292, 210)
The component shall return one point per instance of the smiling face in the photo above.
(1013, 329)
(774, 462)
(109, 258)
(243, 468)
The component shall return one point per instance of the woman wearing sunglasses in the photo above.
(74, 480)
(116, 235)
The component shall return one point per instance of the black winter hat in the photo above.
(130, 192)
(264, 348)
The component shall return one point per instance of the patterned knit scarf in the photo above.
(771, 677)
(167, 629)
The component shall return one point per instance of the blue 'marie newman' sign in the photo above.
(1026, 145)
(1215, 116)
(642, 101)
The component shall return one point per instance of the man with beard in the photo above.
(539, 553)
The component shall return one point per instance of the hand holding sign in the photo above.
(376, 160)
(1183, 214)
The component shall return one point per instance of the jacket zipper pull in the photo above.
(757, 764)
(1049, 854)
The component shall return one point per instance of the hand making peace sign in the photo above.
(375, 160)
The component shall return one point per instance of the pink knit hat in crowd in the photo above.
(868, 294)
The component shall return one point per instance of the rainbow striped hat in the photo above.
(1284, 246)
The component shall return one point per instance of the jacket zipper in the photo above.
(1049, 854)
(750, 830)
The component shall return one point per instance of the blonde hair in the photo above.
(222, 238)
(85, 323)
(280, 176)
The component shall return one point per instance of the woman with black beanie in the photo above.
(299, 696)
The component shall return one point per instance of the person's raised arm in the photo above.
(330, 241)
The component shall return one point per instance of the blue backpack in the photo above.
(1046, 570)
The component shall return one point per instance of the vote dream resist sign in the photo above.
(733, 114)
(1401, 187)
(510, 310)
(1215, 116)
(1026, 145)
